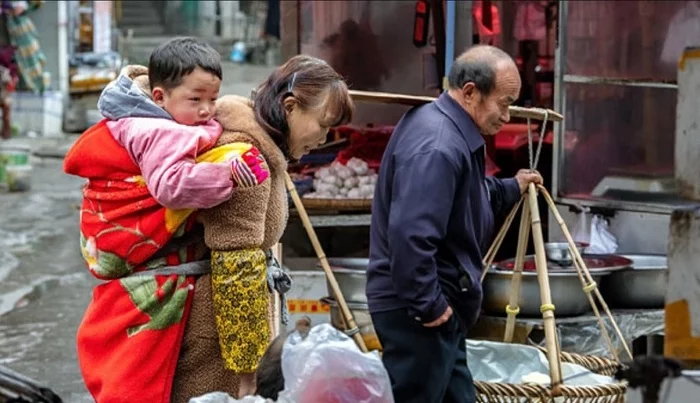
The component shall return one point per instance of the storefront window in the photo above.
(613, 130)
(626, 39)
(619, 135)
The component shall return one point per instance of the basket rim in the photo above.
(582, 390)
(539, 390)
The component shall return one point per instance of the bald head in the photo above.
(485, 81)
(479, 65)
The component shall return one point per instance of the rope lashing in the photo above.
(590, 287)
(547, 307)
(512, 311)
(534, 161)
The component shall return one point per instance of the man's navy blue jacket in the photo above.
(433, 215)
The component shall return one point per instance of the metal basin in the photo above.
(360, 313)
(567, 293)
(351, 275)
(643, 286)
(559, 252)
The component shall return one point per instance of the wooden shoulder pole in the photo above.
(547, 308)
(512, 309)
(352, 330)
(590, 285)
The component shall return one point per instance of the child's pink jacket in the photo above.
(165, 151)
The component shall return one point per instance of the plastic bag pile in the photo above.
(326, 366)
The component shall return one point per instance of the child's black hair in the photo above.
(269, 378)
(171, 61)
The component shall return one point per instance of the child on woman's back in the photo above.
(166, 122)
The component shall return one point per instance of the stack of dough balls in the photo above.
(354, 180)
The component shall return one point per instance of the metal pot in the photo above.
(360, 313)
(643, 286)
(567, 293)
(351, 275)
(558, 252)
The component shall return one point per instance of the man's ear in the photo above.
(469, 92)
(158, 95)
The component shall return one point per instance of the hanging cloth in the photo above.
(487, 21)
(683, 31)
(530, 23)
(25, 39)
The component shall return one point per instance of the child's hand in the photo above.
(249, 169)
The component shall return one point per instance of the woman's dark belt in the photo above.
(277, 279)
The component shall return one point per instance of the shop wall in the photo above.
(46, 21)
(387, 62)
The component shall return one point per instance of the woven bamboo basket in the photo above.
(357, 205)
(491, 392)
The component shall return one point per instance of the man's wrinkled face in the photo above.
(490, 112)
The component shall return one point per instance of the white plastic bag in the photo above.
(581, 233)
(221, 397)
(328, 367)
(602, 241)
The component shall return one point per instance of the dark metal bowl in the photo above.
(642, 286)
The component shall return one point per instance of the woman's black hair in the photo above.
(312, 83)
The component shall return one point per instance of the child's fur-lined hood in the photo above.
(129, 96)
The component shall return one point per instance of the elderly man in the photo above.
(432, 219)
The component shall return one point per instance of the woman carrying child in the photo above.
(175, 177)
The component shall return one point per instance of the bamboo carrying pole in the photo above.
(498, 240)
(587, 289)
(512, 309)
(586, 273)
(352, 328)
(416, 100)
(588, 285)
(547, 308)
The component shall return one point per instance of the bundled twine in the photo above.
(536, 160)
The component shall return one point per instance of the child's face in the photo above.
(193, 101)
